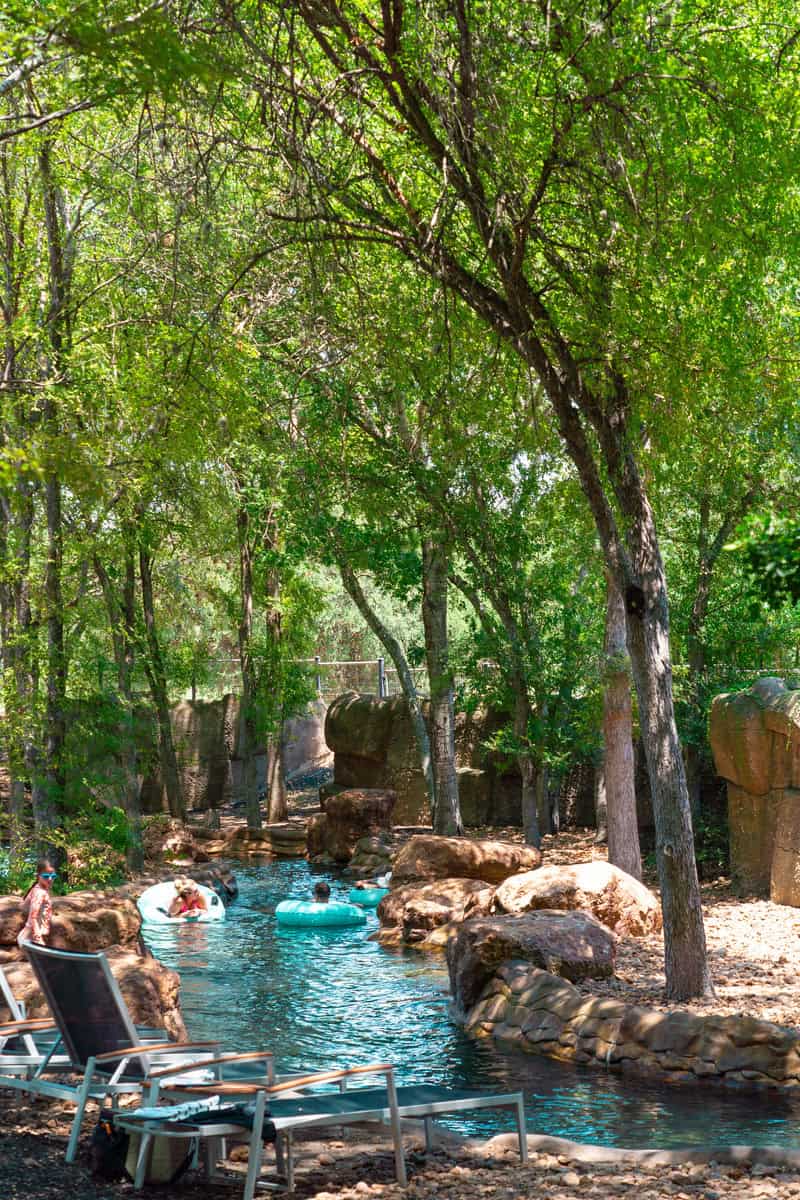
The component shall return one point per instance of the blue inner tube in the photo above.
(307, 913)
(368, 897)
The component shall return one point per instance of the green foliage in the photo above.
(770, 548)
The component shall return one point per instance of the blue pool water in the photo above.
(324, 998)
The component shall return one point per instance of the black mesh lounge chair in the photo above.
(24, 1043)
(102, 1045)
(388, 1105)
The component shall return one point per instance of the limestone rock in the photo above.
(150, 990)
(755, 737)
(426, 857)
(371, 856)
(359, 726)
(785, 872)
(751, 824)
(82, 921)
(415, 910)
(740, 742)
(618, 900)
(573, 945)
(350, 816)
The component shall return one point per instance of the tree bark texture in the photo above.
(157, 679)
(618, 761)
(121, 610)
(48, 798)
(447, 813)
(246, 737)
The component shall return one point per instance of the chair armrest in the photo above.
(158, 1048)
(29, 1025)
(232, 1088)
(330, 1076)
(177, 1068)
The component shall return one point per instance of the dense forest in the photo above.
(459, 334)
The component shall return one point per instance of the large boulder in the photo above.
(755, 738)
(150, 990)
(375, 747)
(409, 914)
(618, 900)
(426, 856)
(349, 817)
(571, 944)
(82, 921)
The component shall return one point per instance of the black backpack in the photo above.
(108, 1149)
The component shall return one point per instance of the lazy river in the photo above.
(322, 998)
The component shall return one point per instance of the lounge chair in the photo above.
(102, 1045)
(388, 1105)
(24, 1043)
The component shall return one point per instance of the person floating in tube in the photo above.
(322, 892)
(189, 901)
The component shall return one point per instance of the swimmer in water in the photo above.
(322, 892)
(189, 901)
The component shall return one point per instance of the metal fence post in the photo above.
(318, 674)
(381, 679)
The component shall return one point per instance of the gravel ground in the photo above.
(32, 1167)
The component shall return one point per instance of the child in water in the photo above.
(322, 892)
(37, 906)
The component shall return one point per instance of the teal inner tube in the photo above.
(305, 914)
(368, 897)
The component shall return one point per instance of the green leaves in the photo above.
(770, 548)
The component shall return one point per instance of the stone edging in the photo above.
(768, 1156)
(527, 1009)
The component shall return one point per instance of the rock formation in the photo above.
(573, 945)
(410, 914)
(82, 921)
(528, 1009)
(373, 744)
(427, 856)
(619, 901)
(755, 738)
(348, 817)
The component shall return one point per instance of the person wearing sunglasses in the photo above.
(37, 905)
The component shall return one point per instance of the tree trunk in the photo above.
(48, 797)
(277, 804)
(686, 967)
(600, 806)
(157, 679)
(395, 651)
(246, 738)
(121, 612)
(447, 813)
(618, 762)
(276, 785)
(48, 803)
(527, 764)
(543, 800)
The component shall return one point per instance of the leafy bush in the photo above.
(92, 846)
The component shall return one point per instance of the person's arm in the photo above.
(34, 918)
(174, 909)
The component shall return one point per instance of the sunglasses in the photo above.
(48, 874)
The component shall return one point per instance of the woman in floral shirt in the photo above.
(37, 906)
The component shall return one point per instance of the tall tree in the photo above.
(428, 92)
